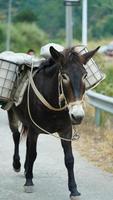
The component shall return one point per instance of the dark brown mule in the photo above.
(69, 65)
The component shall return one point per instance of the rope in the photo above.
(61, 90)
(74, 137)
(42, 99)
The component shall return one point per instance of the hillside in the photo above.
(50, 16)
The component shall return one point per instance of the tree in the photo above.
(24, 36)
(49, 15)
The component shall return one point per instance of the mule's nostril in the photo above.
(73, 117)
(77, 118)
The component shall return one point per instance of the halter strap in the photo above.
(41, 98)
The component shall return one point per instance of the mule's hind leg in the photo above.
(13, 123)
(30, 158)
(69, 162)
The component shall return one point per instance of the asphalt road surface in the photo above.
(50, 175)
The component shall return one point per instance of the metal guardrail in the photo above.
(101, 103)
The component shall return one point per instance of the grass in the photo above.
(96, 144)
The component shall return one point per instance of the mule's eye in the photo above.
(65, 77)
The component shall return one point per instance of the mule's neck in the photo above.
(47, 83)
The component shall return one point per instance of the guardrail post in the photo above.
(97, 116)
(101, 103)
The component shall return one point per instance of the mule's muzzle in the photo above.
(76, 120)
(76, 112)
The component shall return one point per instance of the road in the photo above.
(50, 175)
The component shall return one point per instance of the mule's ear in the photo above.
(56, 55)
(87, 56)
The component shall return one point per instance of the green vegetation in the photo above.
(106, 65)
(23, 36)
(106, 87)
(50, 16)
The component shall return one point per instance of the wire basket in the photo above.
(94, 75)
(7, 78)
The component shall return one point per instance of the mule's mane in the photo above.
(47, 64)
(70, 55)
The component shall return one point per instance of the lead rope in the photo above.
(75, 135)
(61, 95)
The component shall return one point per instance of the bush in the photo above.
(23, 37)
(2, 37)
(106, 87)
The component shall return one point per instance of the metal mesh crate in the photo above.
(94, 75)
(7, 79)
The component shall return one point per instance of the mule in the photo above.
(61, 82)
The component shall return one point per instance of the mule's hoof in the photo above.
(74, 197)
(17, 170)
(17, 166)
(28, 189)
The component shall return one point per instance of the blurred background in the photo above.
(35, 22)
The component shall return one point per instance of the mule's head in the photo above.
(71, 65)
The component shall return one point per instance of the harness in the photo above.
(75, 135)
(43, 100)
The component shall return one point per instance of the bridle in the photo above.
(61, 97)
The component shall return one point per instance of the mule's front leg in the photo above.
(13, 123)
(16, 157)
(69, 162)
(30, 158)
